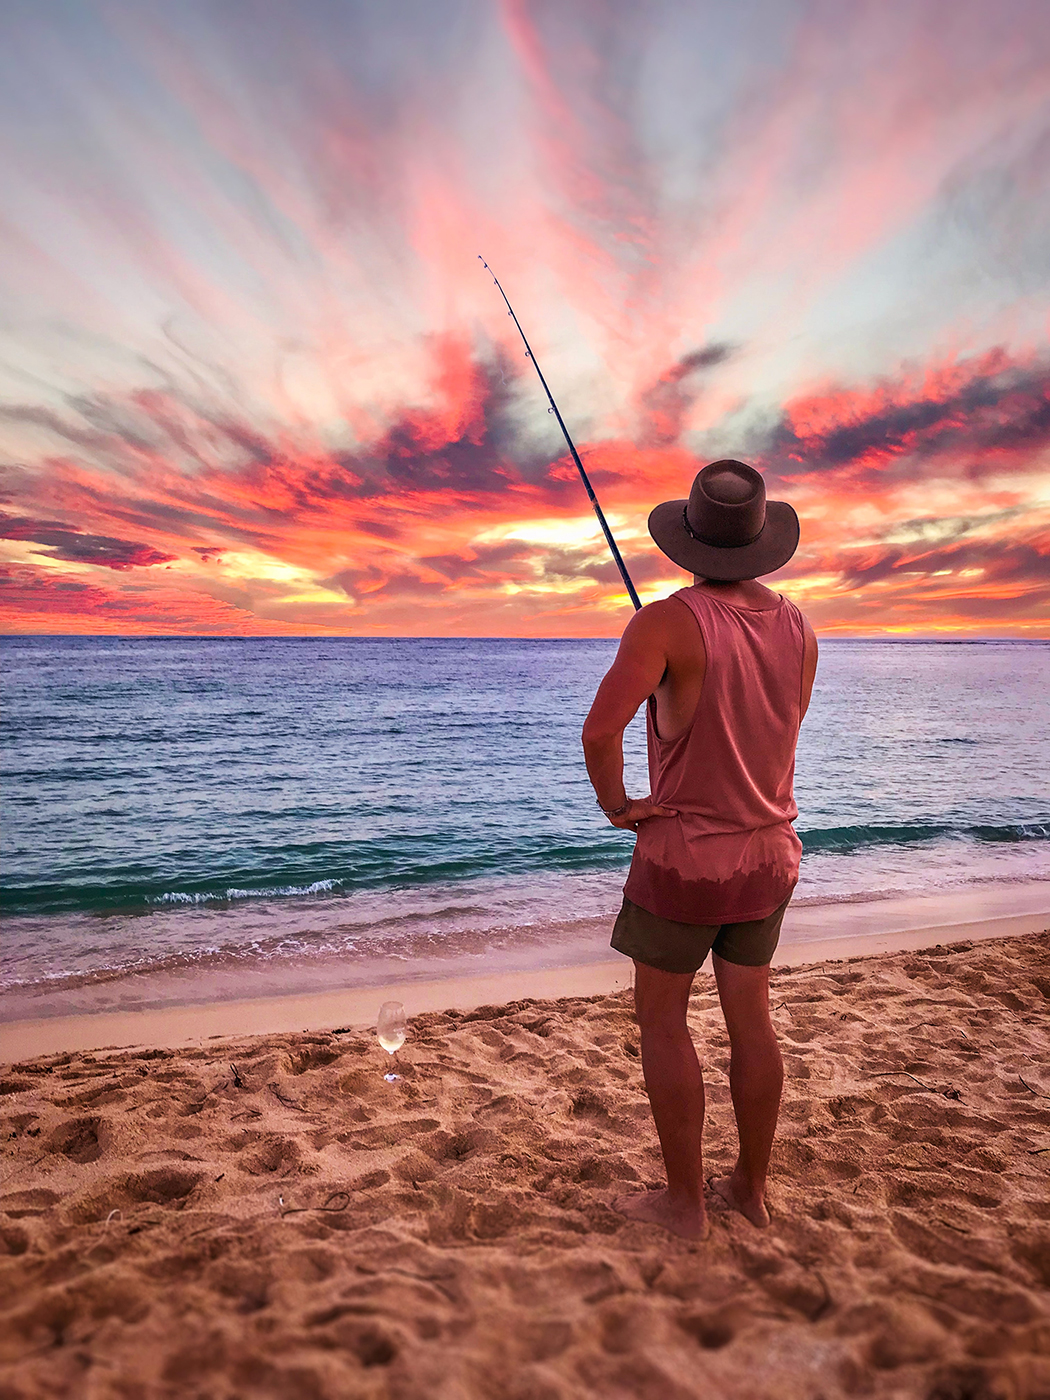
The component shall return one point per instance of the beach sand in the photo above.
(267, 1216)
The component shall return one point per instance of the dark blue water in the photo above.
(439, 783)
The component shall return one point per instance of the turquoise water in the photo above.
(169, 798)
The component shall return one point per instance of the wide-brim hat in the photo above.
(726, 529)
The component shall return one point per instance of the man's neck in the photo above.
(748, 593)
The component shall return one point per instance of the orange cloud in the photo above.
(451, 520)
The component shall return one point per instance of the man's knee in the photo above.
(744, 994)
(660, 998)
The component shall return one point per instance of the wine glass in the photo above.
(390, 1030)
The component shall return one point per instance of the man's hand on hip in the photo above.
(640, 810)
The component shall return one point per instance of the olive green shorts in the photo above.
(673, 947)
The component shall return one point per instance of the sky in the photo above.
(254, 379)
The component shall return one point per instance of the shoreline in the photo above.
(580, 966)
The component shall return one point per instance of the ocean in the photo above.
(171, 804)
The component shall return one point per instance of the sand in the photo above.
(267, 1216)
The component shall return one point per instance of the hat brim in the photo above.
(773, 548)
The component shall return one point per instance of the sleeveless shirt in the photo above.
(731, 853)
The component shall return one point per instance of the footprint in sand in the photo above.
(78, 1139)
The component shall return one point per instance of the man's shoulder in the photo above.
(666, 627)
(807, 626)
(671, 606)
(660, 615)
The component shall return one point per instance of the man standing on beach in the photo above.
(727, 669)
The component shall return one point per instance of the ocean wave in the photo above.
(323, 869)
(416, 862)
(850, 838)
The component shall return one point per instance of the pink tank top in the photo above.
(731, 854)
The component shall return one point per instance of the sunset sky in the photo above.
(253, 378)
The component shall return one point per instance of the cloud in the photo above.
(664, 405)
(535, 564)
(482, 568)
(645, 565)
(975, 416)
(69, 543)
(41, 600)
(483, 562)
(382, 529)
(974, 566)
(33, 590)
(374, 581)
(169, 459)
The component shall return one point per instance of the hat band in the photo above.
(717, 544)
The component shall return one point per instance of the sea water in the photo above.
(177, 802)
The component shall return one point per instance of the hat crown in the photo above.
(727, 505)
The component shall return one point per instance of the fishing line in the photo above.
(631, 591)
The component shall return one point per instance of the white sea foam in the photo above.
(268, 892)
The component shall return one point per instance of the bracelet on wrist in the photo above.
(615, 811)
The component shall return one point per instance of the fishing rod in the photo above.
(631, 591)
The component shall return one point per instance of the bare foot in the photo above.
(655, 1208)
(752, 1208)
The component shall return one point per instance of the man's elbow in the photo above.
(597, 734)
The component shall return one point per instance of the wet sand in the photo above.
(266, 1215)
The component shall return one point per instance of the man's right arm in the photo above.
(638, 669)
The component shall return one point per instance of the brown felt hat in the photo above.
(726, 529)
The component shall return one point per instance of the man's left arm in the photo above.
(638, 669)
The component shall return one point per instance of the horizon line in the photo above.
(953, 638)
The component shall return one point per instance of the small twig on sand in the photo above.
(949, 1226)
(105, 1232)
(327, 1205)
(949, 1093)
(196, 1103)
(203, 1230)
(433, 1279)
(1037, 1151)
(238, 1082)
(1036, 1092)
(823, 1306)
(288, 1103)
(884, 1073)
(23, 1168)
